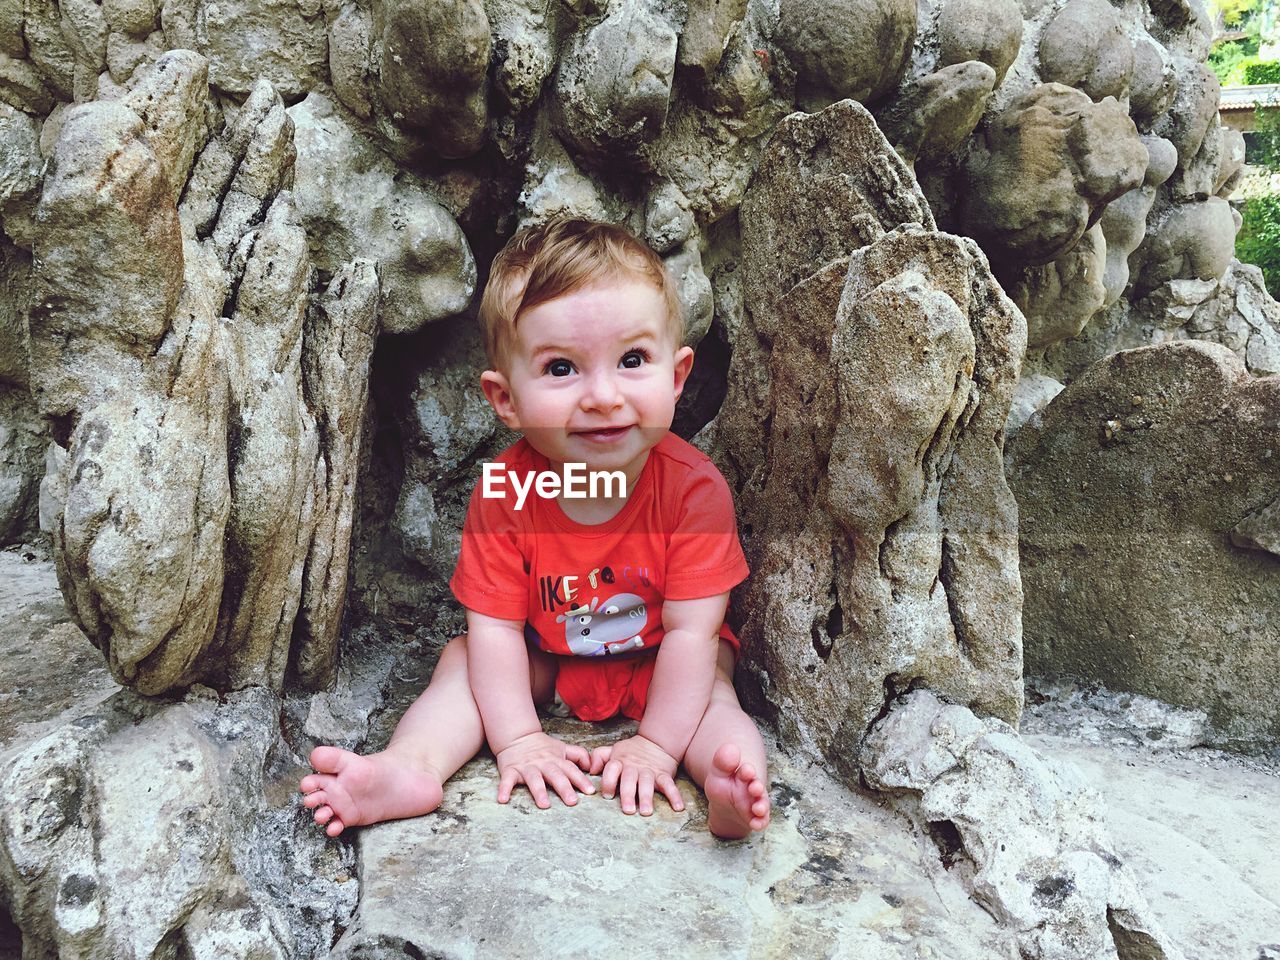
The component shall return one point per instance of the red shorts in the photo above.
(596, 688)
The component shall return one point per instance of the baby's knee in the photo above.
(457, 647)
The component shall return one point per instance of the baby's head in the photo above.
(561, 257)
(584, 335)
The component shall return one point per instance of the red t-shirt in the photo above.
(594, 590)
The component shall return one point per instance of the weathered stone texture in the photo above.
(1029, 829)
(188, 479)
(890, 369)
(1143, 490)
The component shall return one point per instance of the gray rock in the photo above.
(1061, 297)
(941, 111)
(614, 82)
(1026, 832)
(337, 350)
(1124, 221)
(245, 43)
(1085, 46)
(706, 33)
(974, 30)
(431, 62)
(351, 57)
(834, 875)
(524, 49)
(846, 49)
(1193, 240)
(693, 290)
(357, 203)
(1153, 84)
(895, 560)
(22, 442)
(1185, 426)
(200, 793)
(1043, 169)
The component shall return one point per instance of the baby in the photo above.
(609, 603)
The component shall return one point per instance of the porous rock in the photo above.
(1028, 830)
(1041, 171)
(977, 30)
(942, 110)
(855, 49)
(355, 202)
(1185, 424)
(136, 827)
(1061, 297)
(614, 83)
(1085, 46)
(892, 365)
(186, 480)
(431, 62)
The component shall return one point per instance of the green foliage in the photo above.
(1261, 71)
(1226, 57)
(1235, 12)
(1258, 241)
(1265, 147)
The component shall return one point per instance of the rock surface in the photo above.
(1179, 600)
(892, 364)
(195, 456)
(1027, 828)
(131, 826)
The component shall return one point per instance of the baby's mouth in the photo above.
(606, 433)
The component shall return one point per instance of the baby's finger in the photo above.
(644, 798)
(556, 778)
(578, 778)
(599, 757)
(609, 779)
(506, 783)
(576, 754)
(537, 786)
(627, 790)
(667, 784)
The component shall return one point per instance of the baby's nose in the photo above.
(586, 632)
(602, 391)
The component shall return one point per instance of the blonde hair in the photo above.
(561, 256)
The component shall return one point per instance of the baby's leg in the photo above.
(726, 758)
(439, 732)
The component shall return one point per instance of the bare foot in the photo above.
(348, 790)
(737, 797)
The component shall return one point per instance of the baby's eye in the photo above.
(633, 359)
(558, 368)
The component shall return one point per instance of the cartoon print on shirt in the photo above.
(613, 627)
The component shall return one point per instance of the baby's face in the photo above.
(593, 376)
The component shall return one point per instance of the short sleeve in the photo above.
(704, 555)
(491, 576)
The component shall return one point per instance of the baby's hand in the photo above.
(539, 759)
(637, 765)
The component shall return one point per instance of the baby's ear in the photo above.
(683, 365)
(497, 390)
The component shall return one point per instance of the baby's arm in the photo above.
(678, 697)
(498, 668)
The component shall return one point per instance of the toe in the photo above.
(727, 758)
(323, 815)
(335, 827)
(314, 799)
(746, 773)
(755, 789)
(327, 759)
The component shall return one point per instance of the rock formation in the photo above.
(241, 246)
(1180, 600)
(884, 353)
